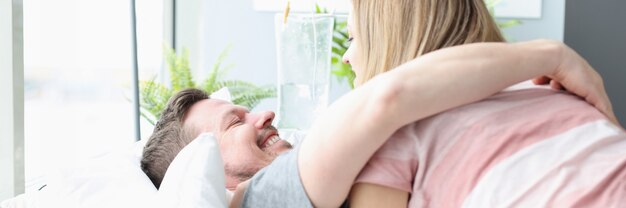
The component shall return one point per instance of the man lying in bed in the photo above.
(321, 170)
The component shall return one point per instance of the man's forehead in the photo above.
(210, 104)
(204, 110)
(215, 107)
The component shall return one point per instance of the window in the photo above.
(77, 56)
(11, 105)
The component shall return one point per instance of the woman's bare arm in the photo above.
(342, 139)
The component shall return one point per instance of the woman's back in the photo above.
(526, 147)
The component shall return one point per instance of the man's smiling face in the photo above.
(248, 141)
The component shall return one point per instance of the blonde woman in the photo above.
(454, 159)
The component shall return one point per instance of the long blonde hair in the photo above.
(392, 32)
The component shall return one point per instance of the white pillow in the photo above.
(195, 178)
(222, 94)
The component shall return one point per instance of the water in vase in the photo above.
(304, 61)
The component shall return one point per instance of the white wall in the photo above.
(12, 99)
(595, 29)
(551, 24)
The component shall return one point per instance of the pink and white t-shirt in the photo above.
(522, 148)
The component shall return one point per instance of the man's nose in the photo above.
(265, 119)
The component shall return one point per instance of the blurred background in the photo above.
(77, 60)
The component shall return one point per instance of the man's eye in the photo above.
(234, 122)
(350, 39)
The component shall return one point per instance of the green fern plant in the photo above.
(491, 5)
(154, 95)
(342, 71)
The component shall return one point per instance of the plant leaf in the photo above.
(180, 73)
(510, 23)
(210, 83)
(153, 97)
(252, 98)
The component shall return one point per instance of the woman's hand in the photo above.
(575, 75)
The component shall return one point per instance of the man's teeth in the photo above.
(271, 141)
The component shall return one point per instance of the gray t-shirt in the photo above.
(278, 184)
